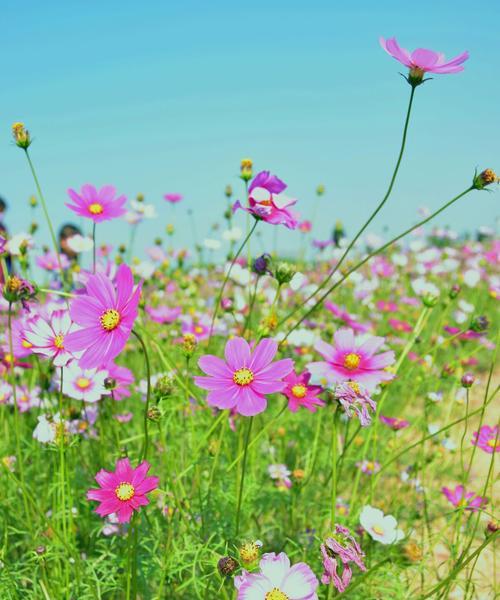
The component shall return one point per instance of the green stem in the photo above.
(144, 451)
(334, 468)
(93, 248)
(371, 255)
(373, 215)
(226, 278)
(243, 471)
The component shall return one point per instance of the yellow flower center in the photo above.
(26, 344)
(8, 358)
(243, 376)
(370, 466)
(354, 385)
(299, 391)
(198, 329)
(276, 594)
(492, 443)
(110, 319)
(378, 530)
(95, 208)
(125, 491)
(23, 398)
(59, 341)
(83, 383)
(351, 361)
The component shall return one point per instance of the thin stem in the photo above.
(144, 451)
(93, 248)
(221, 291)
(334, 468)
(243, 470)
(375, 212)
(47, 217)
(371, 255)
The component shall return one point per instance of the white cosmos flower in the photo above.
(148, 211)
(18, 240)
(45, 431)
(211, 244)
(422, 287)
(472, 277)
(144, 269)
(78, 243)
(381, 528)
(239, 274)
(232, 235)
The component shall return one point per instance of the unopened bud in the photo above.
(246, 169)
(188, 344)
(454, 291)
(284, 272)
(21, 136)
(228, 191)
(467, 380)
(479, 323)
(486, 177)
(110, 383)
(227, 565)
(154, 414)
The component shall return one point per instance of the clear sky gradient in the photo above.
(158, 97)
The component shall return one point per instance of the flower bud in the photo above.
(227, 565)
(430, 300)
(17, 289)
(164, 386)
(33, 201)
(110, 383)
(467, 380)
(228, 191)
(246, 169)
(21, 136)
(320, 190)
(479, 323)
(454, 291)
(284, 272)
(227, 304)
(154, 414)
(261, 264)
(249, 552)
(492, 527)
(169, 229)
(188, 345)
(140, 197)
(486, 177)
(122, 248)
(33, 227)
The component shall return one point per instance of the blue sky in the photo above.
(158, 97)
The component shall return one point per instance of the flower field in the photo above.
(239, 424)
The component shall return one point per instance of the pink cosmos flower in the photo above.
(26, 398)
(459, 497)
(305, 226)
(278, 580)
(394, 423)
(487, 438)
(402, 326)
(97, 205)
(245, 378)
(49, 261)
(343, 315)
(123, 490)
(83, 384)
(47, 337)
(300, 393)
(164, 314)
(106, 315)
(199, 326)
(173, 198)
(353, 360)
(21, 347)
(422, 61)
(266, 201)
(354, 398)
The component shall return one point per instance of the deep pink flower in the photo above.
(487, 438)
(345, 317)
(300, 393)
(398, 325)
(106, 315)
(353, 360)
(173, 198)
(123, 490)
(422, 60)
(459, 497)
(394, 423)
(97, 205)
(278, 580)
(245, 378)
(266, 201)
(340, 544)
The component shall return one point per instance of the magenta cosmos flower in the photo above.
(277, 580)
(267, 203)
(173, 198)
(97, 205)
(460, 498)
(422, 61)
(122, 491)
(300, 393)
(487, 438)
(353, 360)
(245, 378)
(106, 315)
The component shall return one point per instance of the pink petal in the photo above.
(237, 353)
(263, 354)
